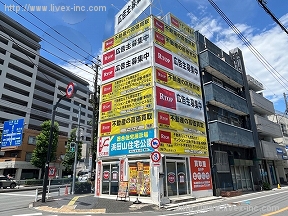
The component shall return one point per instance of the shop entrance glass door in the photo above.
(176, 178)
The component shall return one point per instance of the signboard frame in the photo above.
(8, 134)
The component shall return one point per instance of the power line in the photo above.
(53, 29)
(246, 42)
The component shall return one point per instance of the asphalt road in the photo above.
(266, 203)
(16, 203)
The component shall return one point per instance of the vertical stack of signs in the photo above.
(126, 109)
(186, 117)
(151, 88)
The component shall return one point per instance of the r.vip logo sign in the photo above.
(127, 48)
(176, 64)
(174, 101)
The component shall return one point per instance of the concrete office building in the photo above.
(232, 143)
(30, 85)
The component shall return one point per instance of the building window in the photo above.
(217, 81)
(221, 161)
(28, 156)
(235, 122)
(32, 140)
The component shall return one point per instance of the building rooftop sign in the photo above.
(129, 13)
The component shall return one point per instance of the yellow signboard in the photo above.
(126, 85)
(173, 81)
(180, 123)
(182, 143)
(127, 104)
(127, 34)
(130, 123)
(173, 34)
(181, 26)
(175, 47)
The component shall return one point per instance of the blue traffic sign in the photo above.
(12, 133)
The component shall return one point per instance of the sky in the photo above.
(72, 39)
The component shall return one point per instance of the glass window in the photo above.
(32, 140)
(28, 156)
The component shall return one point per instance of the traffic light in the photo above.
(72, 146)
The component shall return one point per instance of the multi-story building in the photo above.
(232, 144)
(31, 84)
(280, 148)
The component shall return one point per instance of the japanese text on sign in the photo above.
(128, 104)
(180, 123)
(173, 81)
(183, 143)
(176, 47)
(127, 85)
(201, 173)
(181, 26)
(127, 48)
(127, 34)
(173, 34)
(127, 124)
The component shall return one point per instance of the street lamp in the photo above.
(70, 91)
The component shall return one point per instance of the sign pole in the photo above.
(70, 91)
(76, 151)
(49, 188)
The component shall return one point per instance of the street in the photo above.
(264, 203)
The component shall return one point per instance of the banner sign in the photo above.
(129, 13)
(175, 47)
(128, 84)
(98, 178)
(173, 81)
(182, 143)
(129, 65)
(173, 34)
(126, 34)
(179, 25)
(176, 65)
(126, 144)
(127, 104)
(200, 173)
(123, 170)
(127, 48)
(131, 123)
(180, 123)
(179, 103)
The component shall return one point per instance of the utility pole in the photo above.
(286, 104)
(95, 119)
(76, 151)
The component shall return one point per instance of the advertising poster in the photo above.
(131, 123)
(145, 186)
(127, 85)
(126, 34)
(182, 143)
(179, 123)
(201, 173)
(128, 104)
(126, 144)
(176, 82)
(127, 66)
(176, 64)
(129, 13)
(133, 180)
(180, 103)
(134, 45)
(173, 34)
(181, 26)
(175, 47)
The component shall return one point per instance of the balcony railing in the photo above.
(220, 69)
(220, 97)
(267, 127)
(224, 133)
(260, 104)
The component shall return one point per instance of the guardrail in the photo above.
(39, 191)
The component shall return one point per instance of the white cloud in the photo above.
(271, 43)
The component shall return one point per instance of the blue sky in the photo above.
(88, 29)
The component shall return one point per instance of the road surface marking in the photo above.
(179, 213)
(14, 194)
(72, 201)
(276, 212)
(33, 214)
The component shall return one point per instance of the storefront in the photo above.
(175, 177)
